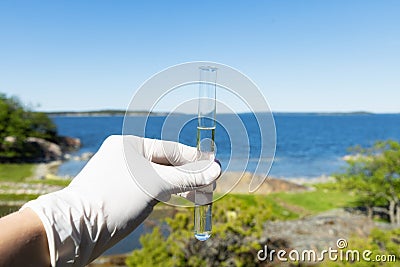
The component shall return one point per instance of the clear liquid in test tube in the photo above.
(205, 145)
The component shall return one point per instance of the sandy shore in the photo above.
(44, 170)
(236, 182)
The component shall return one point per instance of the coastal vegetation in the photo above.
(17, 124)
(15, 172)
(26, 138)
(29, 136)
(374, 175)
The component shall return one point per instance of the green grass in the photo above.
(287, 206)
(278, 211)
(324, 198)
(281, 212)
(10, 172)
(17, 197)
(59, 182)
(15, 172)
(246, 199)
(251, 200)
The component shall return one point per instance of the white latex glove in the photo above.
(114, 193)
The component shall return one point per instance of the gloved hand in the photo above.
(114, 193)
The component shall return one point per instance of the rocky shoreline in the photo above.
(39, 150)
(321, 231)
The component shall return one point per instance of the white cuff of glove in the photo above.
(72, 229)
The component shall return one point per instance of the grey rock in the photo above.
(47, 150)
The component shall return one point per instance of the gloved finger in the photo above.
(189, 176)
(190, 195)
(168, 152)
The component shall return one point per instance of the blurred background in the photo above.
(328, 69)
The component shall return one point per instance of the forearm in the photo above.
(23, 240)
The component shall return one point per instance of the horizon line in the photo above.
(111, 111)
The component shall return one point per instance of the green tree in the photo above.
(374, 175)
(16, 125)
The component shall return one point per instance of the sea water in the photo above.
(202, 213)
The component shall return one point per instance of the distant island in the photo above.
(105, 112)
(120, 112)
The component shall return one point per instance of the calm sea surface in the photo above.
(307, 145)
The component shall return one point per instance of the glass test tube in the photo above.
(205, 145)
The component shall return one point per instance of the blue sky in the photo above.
(304, 55)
